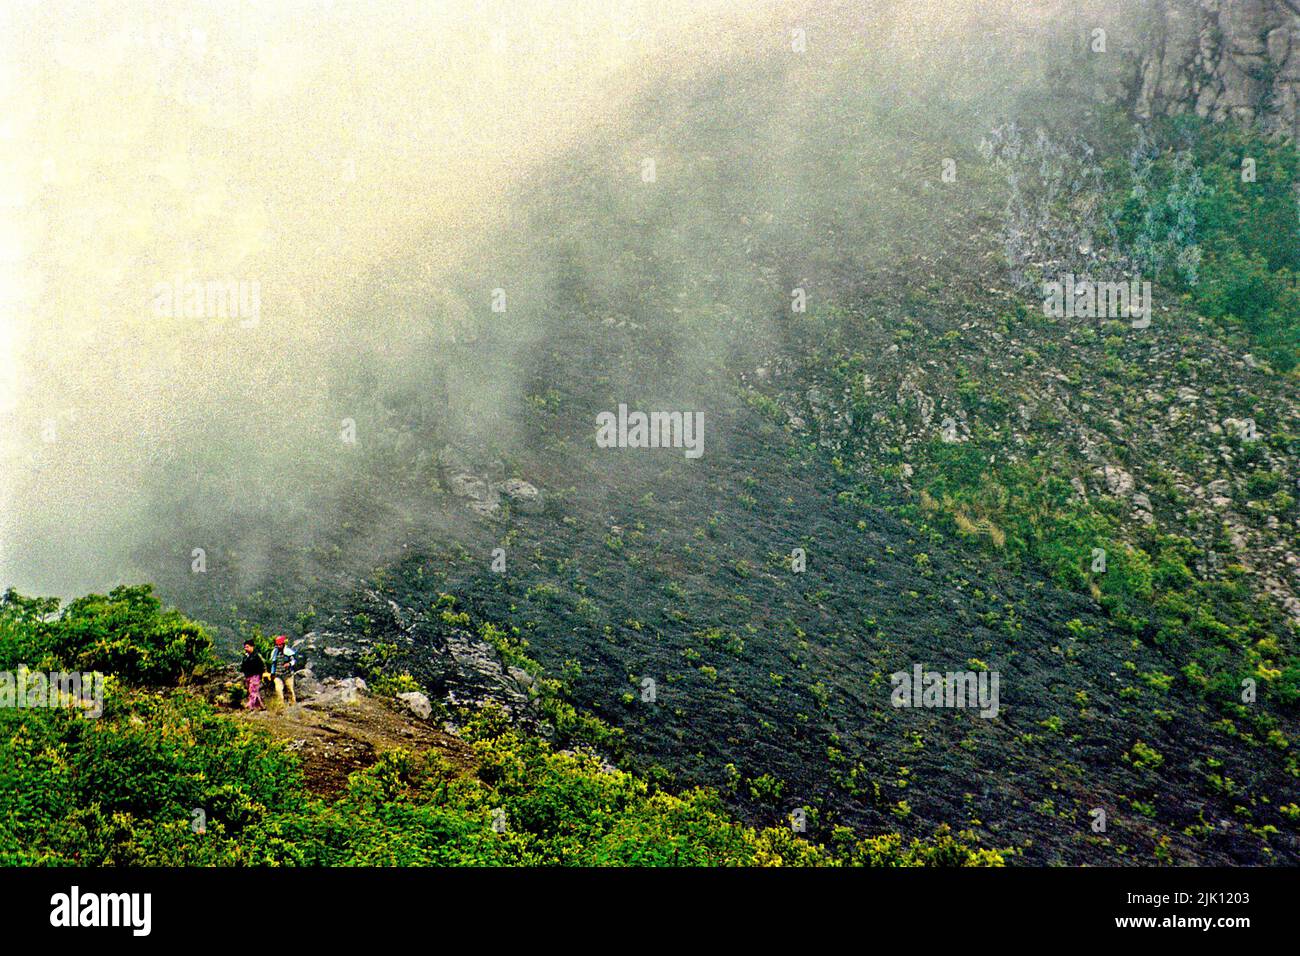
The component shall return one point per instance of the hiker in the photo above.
(252, 668)
(282, 664)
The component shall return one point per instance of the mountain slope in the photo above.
(948, 457)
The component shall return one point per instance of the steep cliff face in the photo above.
(1224, 59)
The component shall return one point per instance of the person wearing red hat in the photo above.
(283, 660)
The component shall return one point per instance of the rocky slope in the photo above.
(338, 727)
(1223, 59)
(661, 594)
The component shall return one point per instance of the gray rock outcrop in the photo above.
(1223, 59)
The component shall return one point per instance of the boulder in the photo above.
(480, 497)
(346, 691)
(416, 703)
(1118, 481)
(1235, 60)
(305, 683)
(523, 497)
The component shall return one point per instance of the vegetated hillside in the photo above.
(140, 773)
(950, 460)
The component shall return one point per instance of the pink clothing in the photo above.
(254, 693)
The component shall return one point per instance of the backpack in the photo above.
(285, 663)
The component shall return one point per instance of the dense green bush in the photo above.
(126, 633)
(1189, 217)
(165, 778)
(123, 788)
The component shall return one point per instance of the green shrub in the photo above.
(127, 634)
(167, 779)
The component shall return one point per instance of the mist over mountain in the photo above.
(318, 313)
(251, 230)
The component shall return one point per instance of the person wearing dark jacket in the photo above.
(253, 668)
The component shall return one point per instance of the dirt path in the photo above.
(336, 733)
